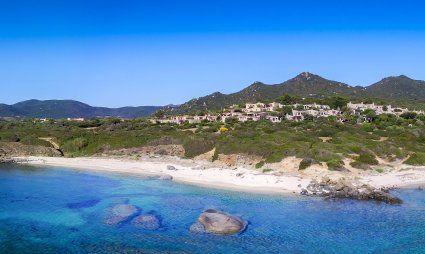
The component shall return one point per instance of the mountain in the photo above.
(400, 87)
(305, 84)
(309, 85)
(69, 108)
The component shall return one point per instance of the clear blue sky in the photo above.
(117, 53)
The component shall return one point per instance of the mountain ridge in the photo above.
(307, 84)
(70, 109)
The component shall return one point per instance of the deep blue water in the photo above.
(60, 211)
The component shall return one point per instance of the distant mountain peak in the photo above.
(307, 76)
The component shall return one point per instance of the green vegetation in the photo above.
(335, 164)
(416, 159)
(259, 164)
(266, 170)
(305, 163)
(386, 136)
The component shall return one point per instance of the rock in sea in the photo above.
(120, 213)
(219, 223)
(147, 221)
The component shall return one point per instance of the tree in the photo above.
(288, 99)
(370, 114)
(336, 102)
(409, 115)
(159, 114)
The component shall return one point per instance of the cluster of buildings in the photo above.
(274, 113)
(258, 111)
(358, 108)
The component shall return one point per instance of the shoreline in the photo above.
(203, 174)
(240, 180)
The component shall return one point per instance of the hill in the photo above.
(69, 108)
(400, 87)
(309, 85)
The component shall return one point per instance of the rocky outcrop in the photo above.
(15, 149)
(147, 221)
(170, 167)
(217, 222)
(236, 160)
(120, 213)
(346, 189)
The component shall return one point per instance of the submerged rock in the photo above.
(217, 222)
(160, 177)
(165, 177)
(197, 227)
(346, 189)
(147, 221)
(120, 213)
(83, 204)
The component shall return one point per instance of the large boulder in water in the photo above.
(217, 222)
(120, 213)
(147, 221)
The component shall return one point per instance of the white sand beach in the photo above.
(239, 179)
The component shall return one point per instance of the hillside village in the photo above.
(276, 112)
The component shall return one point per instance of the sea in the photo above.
(58, 210)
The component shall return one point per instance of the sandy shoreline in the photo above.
(240, 179)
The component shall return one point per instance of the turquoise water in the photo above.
(60, 211)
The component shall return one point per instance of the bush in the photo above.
(305, 163)
(223, 129)
(379, 170)
(360, 165)
(335, 164)
(259, 164)
(75, 145)
(10, 137)
(416, 159)
(367, 158)
(266, 170)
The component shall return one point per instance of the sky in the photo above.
(159, 52)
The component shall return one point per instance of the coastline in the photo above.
(240, 179)
(204, 174)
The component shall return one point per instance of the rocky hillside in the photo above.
(69, 108)
(15, 149)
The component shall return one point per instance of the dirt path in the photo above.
(51, 141)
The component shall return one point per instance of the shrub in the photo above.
(335, 164)
(223, 129)
(10, 137)
(305, 163)
(379, 170)
(416, 159)
(75, 145)
(360, 165)
(215, 155)
(266, 170)
(259, 164)
(367, 158)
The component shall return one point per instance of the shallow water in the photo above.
(61, 211)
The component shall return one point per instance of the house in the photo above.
(75, 119)
(273, 119)
(255, 107)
